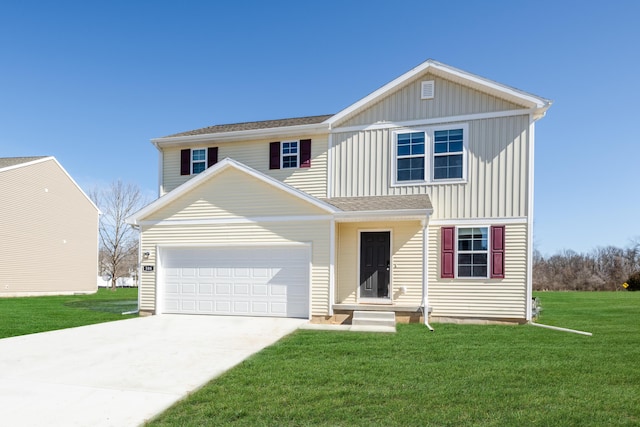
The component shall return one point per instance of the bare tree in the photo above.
(118, 240)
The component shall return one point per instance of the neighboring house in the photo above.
(48, 230)
(419, 194)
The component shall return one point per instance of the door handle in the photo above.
(388, 266)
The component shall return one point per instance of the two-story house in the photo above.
(418, 195)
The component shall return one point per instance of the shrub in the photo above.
(633, 282)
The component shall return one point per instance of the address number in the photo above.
(147, 268)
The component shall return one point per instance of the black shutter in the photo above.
(274, 155)
(212, 156)
(305, 153)
(185, 162)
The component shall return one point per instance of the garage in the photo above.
(238, 280)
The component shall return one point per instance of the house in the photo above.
(48, 230)
(418, 195)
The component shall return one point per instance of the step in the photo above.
(374, 318)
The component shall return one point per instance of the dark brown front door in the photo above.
(374, 264)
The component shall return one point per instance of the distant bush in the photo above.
(634, 282)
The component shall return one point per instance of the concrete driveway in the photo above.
(123, 373)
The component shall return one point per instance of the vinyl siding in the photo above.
(482, 298)
(48, 233)
(406, 259)
(497, 170)
(451, 99)
(232, 194)
(255, 154)
(314, 232)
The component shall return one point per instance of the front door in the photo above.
(374, 264)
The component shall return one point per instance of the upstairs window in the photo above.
(198, 160)
(410, 156)
(290, 154)
(448, 150)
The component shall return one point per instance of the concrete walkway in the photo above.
(123, 373)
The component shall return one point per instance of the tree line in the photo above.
(602, 269)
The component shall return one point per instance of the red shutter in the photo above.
(447, 252)
(274, 155)
(305, 153)
(185, 162)
(212, 156)
(497, 252)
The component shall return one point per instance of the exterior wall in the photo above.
(482, 298)
(406, 260)
(255, 154)
(315, 232)
(497, 174)
(451, 99)
(231, 194)
(48, 233)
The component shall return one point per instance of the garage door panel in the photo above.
(263, 281)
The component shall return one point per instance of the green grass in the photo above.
(27, 315)
(459, 375)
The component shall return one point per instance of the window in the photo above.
(447, 154)
(431, 155)
(290, 154)
(472, 252)
(410, 156)
(198, 160)
(473, 247)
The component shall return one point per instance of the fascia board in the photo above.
(400, 214)
(214, 170)
(300, 130)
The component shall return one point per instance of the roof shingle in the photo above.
(6, 162)
(381, 203)
(265, 124)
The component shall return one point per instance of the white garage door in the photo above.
(244, 281)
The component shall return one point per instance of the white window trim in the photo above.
(429, 150)
(457, 252)
(282, 154)
(206, 155)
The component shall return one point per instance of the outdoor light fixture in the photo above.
(145, 255)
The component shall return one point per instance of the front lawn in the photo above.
(457, 375)
(27, 315)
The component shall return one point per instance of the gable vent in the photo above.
(426, 90)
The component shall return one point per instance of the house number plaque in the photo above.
(147, 268)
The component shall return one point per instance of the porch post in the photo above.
(425, 272)
(332, 262)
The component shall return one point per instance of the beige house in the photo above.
(418, 195)
(48, 230)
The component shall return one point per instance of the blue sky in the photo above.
(92, 82)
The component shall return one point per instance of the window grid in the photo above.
(410, 156)
(290, 154)
(198, 160)
(473, 252)
(447, 154)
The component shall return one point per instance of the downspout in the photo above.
(557, 328)
(425, 273)
(137, 310)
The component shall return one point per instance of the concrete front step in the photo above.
(374, 318)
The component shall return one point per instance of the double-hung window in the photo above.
(473, 251)
(448, 151)
(430, 155)
(198, 160)
(410, 156)
(290, 154)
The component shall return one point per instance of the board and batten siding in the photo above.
(482, 298)
(451, 99)
(406, 259)
(48, 233)
(255, 154)
(497, 174)
(316, 233)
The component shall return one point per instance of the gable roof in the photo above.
(210, 173)
(482, 84)
(9, 162)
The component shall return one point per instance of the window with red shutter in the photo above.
(497, 252)
(185, 162)
(305, 153)
(447, 252)
(274, 155)
(212, 156)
